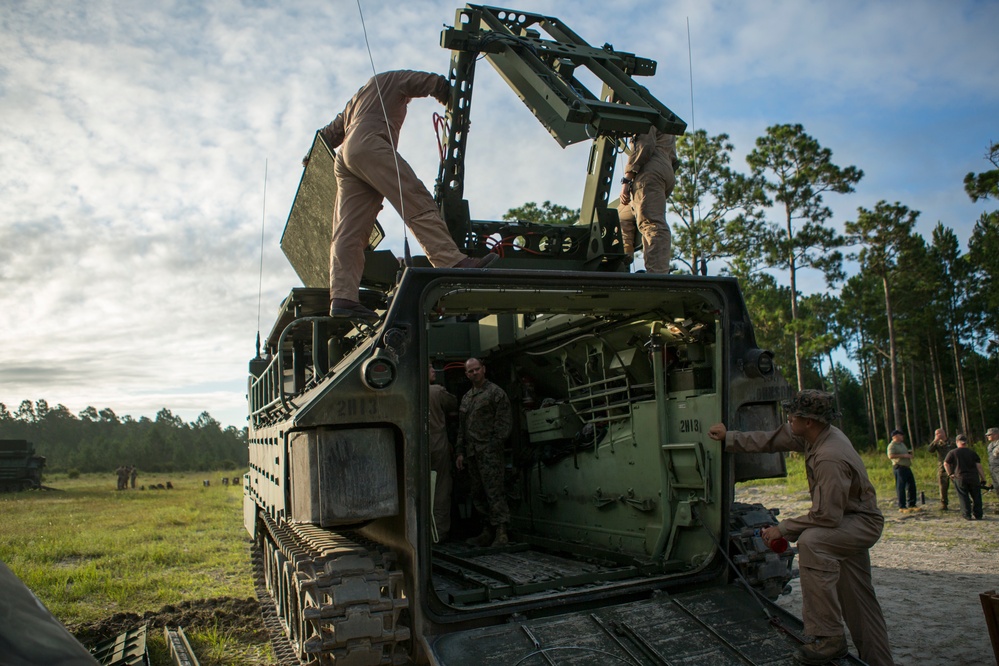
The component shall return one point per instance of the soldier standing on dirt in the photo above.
(965, 468)
(901, 464)
(941, 446)
(485, 420)
(834, 537)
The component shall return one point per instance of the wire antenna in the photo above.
(388, 127)
(260, 277)
(690, 67)
(703, 268)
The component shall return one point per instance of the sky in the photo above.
(150, 152)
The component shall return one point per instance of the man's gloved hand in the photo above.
(443, 91)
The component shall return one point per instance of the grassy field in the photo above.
(90, 552)
(104, 560)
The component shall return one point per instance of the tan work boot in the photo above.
(347, 309)
(822, 650)
(477, 262)
(484, 539)
(501, 538)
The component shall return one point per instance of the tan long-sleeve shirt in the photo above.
(837, 478)
(365, 108)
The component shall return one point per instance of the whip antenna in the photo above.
(690, 67)
(260, 278)
(388, 127)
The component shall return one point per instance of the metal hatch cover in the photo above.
(710, 627)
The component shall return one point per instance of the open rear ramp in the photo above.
(710, 627)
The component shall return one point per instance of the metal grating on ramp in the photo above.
(127, 649)
(180, 649)
(712, 627)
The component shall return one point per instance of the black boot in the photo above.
(484, 539)
(824, 649)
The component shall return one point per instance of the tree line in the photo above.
(100, 441)
(920, 319)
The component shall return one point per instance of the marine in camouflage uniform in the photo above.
(942, 446)
(992, 453)
(485, 420)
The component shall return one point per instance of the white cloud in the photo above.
(135, 138)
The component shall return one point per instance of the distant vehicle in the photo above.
(20, 468)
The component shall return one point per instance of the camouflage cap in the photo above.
(992, 431)
(812, 404)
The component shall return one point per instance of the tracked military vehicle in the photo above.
(20, 468)
(626, 542)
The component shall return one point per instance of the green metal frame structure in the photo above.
(547, 75)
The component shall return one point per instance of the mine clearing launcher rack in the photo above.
(627, 544)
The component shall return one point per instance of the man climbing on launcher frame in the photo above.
(648, 182)
(368, 169)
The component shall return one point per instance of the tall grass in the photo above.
(89, 551)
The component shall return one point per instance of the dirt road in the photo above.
(929, 568)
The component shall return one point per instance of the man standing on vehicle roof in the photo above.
(485, 420)
(834, 537)
(368, 169)
(649, 179)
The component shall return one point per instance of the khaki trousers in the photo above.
(365, 170)
(647, 214)
(835, 567)
(441, 461)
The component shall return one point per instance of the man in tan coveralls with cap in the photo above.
(365, 167)
(648, 182)
(834, 537)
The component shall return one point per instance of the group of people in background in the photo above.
(957, 463)
(126, 474)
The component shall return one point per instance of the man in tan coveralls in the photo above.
(834, 537)
(648, 182)
(441, 460)
(366, 134)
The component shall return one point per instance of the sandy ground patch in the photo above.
(929, 568)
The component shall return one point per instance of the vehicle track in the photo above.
(284, 654)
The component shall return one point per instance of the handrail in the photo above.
(267, 390)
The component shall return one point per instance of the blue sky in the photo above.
(135, 139)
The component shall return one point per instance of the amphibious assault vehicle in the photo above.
(20, 468)
(626, 542)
